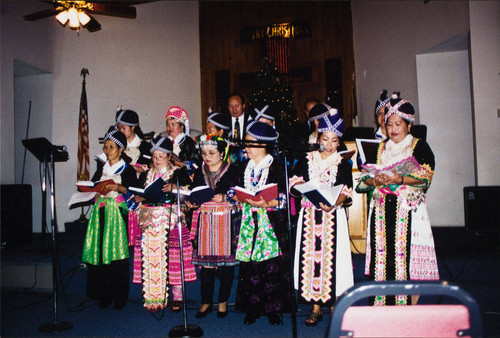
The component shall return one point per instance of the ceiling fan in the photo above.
(79, 13)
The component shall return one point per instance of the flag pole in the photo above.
(83, 173)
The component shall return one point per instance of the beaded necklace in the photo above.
(321, 170)
(256, 175)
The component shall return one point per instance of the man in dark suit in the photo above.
(239, 119)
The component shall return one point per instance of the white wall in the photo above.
(146, 64)
(387, 37)
(38, 90)
(29, 44)
(485, 56)
(389, 34)
(445, 108)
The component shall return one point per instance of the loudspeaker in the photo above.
(419, 131)
(482, 208)
(17, 215)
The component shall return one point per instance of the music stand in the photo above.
(48, 154)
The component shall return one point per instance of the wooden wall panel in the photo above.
(331, 37)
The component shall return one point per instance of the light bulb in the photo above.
(62, 17)
(83, 18)
(73, 18)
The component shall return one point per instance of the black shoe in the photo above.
(249, 319)
(274, 319)
(203, 314)
(105, 303)
(221, 314)
(313, 319)
(176, 306)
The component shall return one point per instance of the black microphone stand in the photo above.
(185, 330)
(290, 241)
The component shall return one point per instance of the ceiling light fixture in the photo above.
(75, 15)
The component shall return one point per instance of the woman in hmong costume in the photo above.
(160, 235)
(399, 239)
(106, 245)
(212, 227)
(323, 264)
(184, 151)
(127, 121)
(218, 124)
(263, 250)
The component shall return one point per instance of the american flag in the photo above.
(83, 135)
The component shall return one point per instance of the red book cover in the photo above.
(347, 154)
(269, 192)
(100, 187)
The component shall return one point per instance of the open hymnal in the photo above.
(100, 187)
(402, 168)
(197, 195)
(201, 194)
(268, 192)
(347, 154)
(152, 193)
(367, 149)
(320, 193)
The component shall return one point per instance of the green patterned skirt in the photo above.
(106, 238)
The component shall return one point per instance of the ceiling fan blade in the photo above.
(93, 25)
(41, 14)
(121, 11)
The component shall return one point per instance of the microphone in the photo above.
(59, 148)
(310, 147)
(247, 143)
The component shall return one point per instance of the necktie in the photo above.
(237, 129)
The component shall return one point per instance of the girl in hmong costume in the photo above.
(323, 264)
(184, 148)
(263, 250)
(127, 121)
(160, 236)
(212, 227)
(399, 239)
(106, 245)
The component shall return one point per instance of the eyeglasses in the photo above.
(210, 153)
(110, 148)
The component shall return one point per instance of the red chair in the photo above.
(437, 320)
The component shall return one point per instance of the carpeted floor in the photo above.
(470, 260)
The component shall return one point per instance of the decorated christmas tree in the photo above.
(269, 88)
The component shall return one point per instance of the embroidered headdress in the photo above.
(219, 120)
(117, 137)
(321, 110)
(400, 107)
(180, 115)
(208, 139)
(262, 131)
(214, 140)
(127, 117)
(381, 101)
(332, 123)
(162, 144)
(263, 111)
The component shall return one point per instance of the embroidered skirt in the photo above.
(160, 254)
(400, 245)
(323, 263)
(106, 239)
(214, 235)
